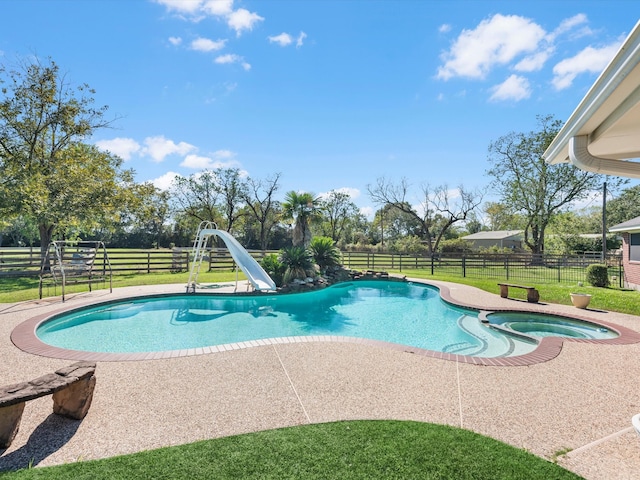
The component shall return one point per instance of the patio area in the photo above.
(581, 401)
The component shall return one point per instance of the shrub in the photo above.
(274, 268)
(411, 244)
(598, 275)
(298, 263)
(500, 250)
(324, 252)
(455, 245)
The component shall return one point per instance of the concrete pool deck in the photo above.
(580, 401)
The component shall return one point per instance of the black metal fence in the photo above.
(516, 268)
(522, 268)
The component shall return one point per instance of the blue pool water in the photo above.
(550, 326)
(398, 312)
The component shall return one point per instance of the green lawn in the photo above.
(21, 289)
(344, 450)
(611, 299)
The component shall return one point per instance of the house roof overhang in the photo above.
(630, 226)
(603, 133)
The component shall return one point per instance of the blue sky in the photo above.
(333, 94)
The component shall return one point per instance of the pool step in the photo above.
(489, 345)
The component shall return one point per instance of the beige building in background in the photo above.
(497, 238)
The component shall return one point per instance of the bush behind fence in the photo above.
(516, 268)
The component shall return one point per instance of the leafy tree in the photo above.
(211, 196)
(391, 223)
(19, 231)
(435, 213)
(148, 215)
(502, 217)
(47, 175)
(473, 224)
(356, 230)
(532, 187)
(303, 209)
(233, 190)
(259, 199)
(338, 210)
(568, 231)
(197, 197)
(625, 207)
(182, 229)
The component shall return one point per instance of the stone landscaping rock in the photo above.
(72, 389)
(335, 275)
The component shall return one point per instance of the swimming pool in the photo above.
(403, 313)
(550, 326)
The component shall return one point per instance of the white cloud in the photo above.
(206, 45)
(369, 212)
(175, 41)
(444, 28)
(160, 147)
(352, 192)
(196, 162)
(182, 6)
(218, 7)
(232, 58)
(243, 19)
(219, 159)
(534, 62)
(513, 88)
(589, 60)
(240, 20)
(569, 24)
(228, 58)
(164, 182)
(224, 154)
(495, 41)
(300, 39)
(283, 39)
(125, 148)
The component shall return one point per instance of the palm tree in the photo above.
(298, 262)
(325, 253)
(302, 208)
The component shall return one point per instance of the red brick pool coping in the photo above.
(24, 337)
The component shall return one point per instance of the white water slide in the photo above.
(259, 279)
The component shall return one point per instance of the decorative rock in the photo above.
(72, 389)
(10, 423)
(335, 275)
(75, 400)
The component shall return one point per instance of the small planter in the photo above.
(580, 300)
